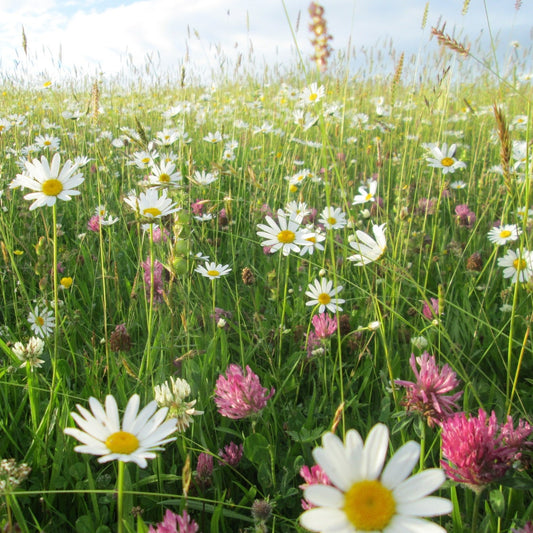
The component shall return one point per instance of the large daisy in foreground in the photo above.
(364, 496)
(48, 181)
(140, 435)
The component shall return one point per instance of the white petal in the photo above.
(419, 485)
(332, 459)
(130, 414)
(403, 524)
(354, 450)
(401, 465)
(324, 496)
(325, 520)
(374, 451)
(429, 506)
(111, 411)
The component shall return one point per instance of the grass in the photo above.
(483, 332)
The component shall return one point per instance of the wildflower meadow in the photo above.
(294, 302)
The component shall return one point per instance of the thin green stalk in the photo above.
(120, 497)
(518, 366)
(104, 300)
(55, 297)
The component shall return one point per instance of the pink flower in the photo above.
(174, 523)
(157, 279)
(428, 394)
(94, 224)
(204, 469)
(477, 450)
(465, 217)
(324, 325)
(198, 207)
(312, 476)
(239, 395)
(431, 312)
(231, 454)
(528, 528)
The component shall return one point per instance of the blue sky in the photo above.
(95, 36)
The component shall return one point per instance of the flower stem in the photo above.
(120, 496)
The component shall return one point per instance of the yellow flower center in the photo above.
(213, 273)
(164, 178)
(152, 211)
(311, 239)
(293, 188)
(52, 187)
(122, 442)
(286, 236)
(47, 143)
(369, 196)
(145, 160)
(505, 233)
(332, 221)
(519, 264)
(324, 298)
(40, 321)
(447, 162)
(313, 97)
(369, 505)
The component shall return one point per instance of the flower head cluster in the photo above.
(175, 523)
(12, 474)
(30, 353)
(136, 439)
(321, 37)
(324, 327)
(231, 454)
(477, 450)
(528, 528)
(429, 394)
(154, 275)
(173, 397)
(240, 394)
(365, 496)
(465, 216)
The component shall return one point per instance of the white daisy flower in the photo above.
(212, 270)
(164, 175)
(368, 249)
(315, 240)
(322, 293)
(517, 265)
(312, 94)
(297, 210)
(504, 234)
(443, 158)
(459, 184)
(48, 181)
(366, 194)
(332, 218)
(140, 435)
(364, 496)
(150, 205)
(204, 178)
(42, 323)
(285, 234)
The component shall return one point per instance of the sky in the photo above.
(109, 36)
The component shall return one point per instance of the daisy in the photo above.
(285, 234)
(460, 184)
(135, 440)
(366, 194)
(332, 218)
(322, 293)
(297, 210)
(144, 159)
(368, 249)
(164, 175)
(42, 323)
(517, 265)
(504, 234)
(47, 141)
(315, 239)
(213, 137)
(364, 496)
(204, 178)
(212, 270)
(150, 205)
(312, 94)
(444, 158)
(48, 181)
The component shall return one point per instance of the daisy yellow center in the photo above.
(47, 143)
(313, 97)
(145, 160)
(122, 442)
(332, 220)
(164, 178)
(505, 233)
(52, 187)
(369, 506)
(47, 83)
(447, 162)
(153, 211)
(324, 298)
(213, 273)
(286, 236)
(519, 264)
(40, 321)
(368, 196)
(311, 239)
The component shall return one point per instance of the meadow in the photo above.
(313, 252)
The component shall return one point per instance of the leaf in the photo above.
(256, 448)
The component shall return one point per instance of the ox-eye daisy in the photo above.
(322, 293)
(140, 435)
(503, 234)
(517, 265)
(443, 158)
(212, 270)
(285, 234)
(150, 205)
(364, 496)
(48, 181)
(368, 249)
